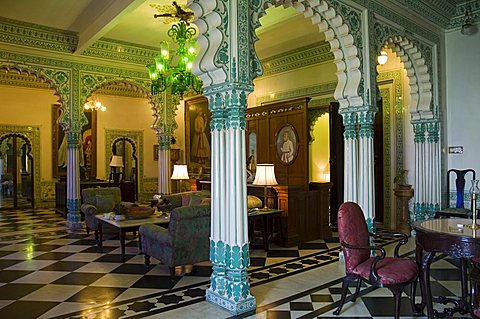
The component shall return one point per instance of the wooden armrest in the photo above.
(373, 268)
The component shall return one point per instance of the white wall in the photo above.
(463, 99)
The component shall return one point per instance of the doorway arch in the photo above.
(25, 168)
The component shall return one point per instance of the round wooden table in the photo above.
(451, 237)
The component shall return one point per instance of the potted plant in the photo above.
(400, 180)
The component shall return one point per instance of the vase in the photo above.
(474, 193)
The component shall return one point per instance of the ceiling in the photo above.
(132, 21)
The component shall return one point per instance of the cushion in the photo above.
(185, 199)
(105, 203)
(254, 202)
(206, 201)
(195, 199)
(390, 270)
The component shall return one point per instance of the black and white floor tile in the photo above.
(48, 272)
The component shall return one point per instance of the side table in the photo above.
(265, 216)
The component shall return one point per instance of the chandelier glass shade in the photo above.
(94, 104)
(180, 77)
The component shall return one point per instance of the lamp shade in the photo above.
(117, 161)
(265, 175)
(180, 172)
(382, 58)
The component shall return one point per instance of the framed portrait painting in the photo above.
(197, 134)
(286, 144)
(88, 154)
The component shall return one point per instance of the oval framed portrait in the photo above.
(286, 144)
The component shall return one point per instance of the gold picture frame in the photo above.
(88, 164)
(197, 135)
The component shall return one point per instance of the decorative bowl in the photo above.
(138, 212)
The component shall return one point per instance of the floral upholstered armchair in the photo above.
(185, 242)
(100, 201)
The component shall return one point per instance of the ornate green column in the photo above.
(227, 65)
(72, 123)
(366, 180)
(73, 180)
(419, 130)
(350, 135)
(427, 168)
(165, 125)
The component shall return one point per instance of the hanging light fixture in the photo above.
(94, 104)
(468, 28)
(180, 77)
(382, 58)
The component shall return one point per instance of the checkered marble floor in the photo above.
(48, 272)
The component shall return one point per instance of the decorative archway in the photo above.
(425, 121)
(58, 80)
(227, 64)
(135, 138)
(32, 137)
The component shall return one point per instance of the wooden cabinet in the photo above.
(127, 189)
(305, 213)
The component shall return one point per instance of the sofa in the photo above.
(100, 201)
(190, 198)
(185, 242)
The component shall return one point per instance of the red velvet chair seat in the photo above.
(390, 270)
(393, 273)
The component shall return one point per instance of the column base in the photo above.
(236, 308)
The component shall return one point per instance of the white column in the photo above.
(420, 171)
(350, 157)
(366, 181)
(163, 171)
(229, 252)
(73, 181)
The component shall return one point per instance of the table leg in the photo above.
(424, 259)
(265, 232)
(140, 244)
(100, 235)
(122, 243)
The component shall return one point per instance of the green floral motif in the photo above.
(419, 130)
(350, 124)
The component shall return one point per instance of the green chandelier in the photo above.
(180, 77)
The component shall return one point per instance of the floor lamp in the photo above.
(180, 172)
(265, 175)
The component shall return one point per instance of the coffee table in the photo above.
(127, 225)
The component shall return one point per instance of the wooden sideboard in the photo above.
(305, 214)
(127, 189)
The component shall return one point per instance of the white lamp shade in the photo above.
(382, 58)
(265, 175)
(117, 161)
(180, 172)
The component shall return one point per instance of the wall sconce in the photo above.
(382, 58)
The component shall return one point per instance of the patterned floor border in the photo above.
(185, 296)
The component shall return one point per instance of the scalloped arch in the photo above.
(100, 82)
(322, 14)
(42, 77)
(417, 73)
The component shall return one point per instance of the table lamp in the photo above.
(265, 175)
(180, 172)
(117, 161)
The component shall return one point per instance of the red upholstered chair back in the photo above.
(352, 229)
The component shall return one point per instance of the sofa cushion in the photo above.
(254, 202)
(105, 203)
(206, 201)
(186, 199)
(195, 199)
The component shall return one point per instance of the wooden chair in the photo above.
(393, 273)
(459, 210)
